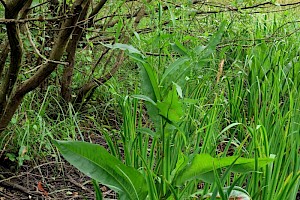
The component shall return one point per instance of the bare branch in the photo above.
(90, 87)
(11, 12)
(38, 19)
(57, 50)
(96, 82)
(46, 69)
(66, 81)
(37, 51)
(260, 5)
(98, 7)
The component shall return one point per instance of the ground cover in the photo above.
(238, 97)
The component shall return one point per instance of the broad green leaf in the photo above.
(137, 57)
(199, 49)
(179, 90)
(173, 18)
(228, 127)
(94, 161)
(127, 47)
(171, 107)
(203, 166)
(137, 35)
(149, 88)
(148, 132)
(213, 42)
(237, 193)
(180, 165)
(179, 48)
(149, 77)
(174, 69)
(145, 98)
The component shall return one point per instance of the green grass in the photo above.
(253, 111)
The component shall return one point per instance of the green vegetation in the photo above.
(206, 104)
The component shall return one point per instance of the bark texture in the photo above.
(11, 12)
(66, 91)
(13, 99)
(3, 55)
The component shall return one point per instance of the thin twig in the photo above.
(37, 51)
(38, 5)
(38, 19)
(19, 187)
(3, 179)
(78, 184)
(6, 196)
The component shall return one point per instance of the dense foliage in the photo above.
(195, 99)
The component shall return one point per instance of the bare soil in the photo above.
(48, 179)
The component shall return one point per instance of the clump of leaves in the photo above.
(163, 170)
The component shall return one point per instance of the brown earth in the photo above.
(49, 179)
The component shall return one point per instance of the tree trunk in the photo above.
(11, 12)
(14, 99)
(3, 55)
(66, 81)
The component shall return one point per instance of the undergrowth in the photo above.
(241, 100)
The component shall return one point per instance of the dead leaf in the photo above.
(220, 71)
(103, 189)
(23, 151)
(75, 194)
(41, 189)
